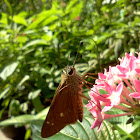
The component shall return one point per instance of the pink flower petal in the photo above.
(135, 95)
(138, 71)
(102, 76)
(119, 88)
(109, 89)
(95, 124)
(122, 69)
(137, 85)
(106, 108)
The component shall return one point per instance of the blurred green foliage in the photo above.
(37, 37)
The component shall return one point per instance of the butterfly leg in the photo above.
(82, 95)
(89, 75)
(86, 85)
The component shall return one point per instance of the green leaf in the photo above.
(9, 6)
(81, 67)
(37, 104)
(20, 20)
(8, 70)
(27, 134)
(3, 93)
(25, 78)
(22, 39)
(101, 91)
(32, 95)
(118, 47)
(14, 107)
(70, 5)
(4, 19)
(36, 100)
(79, 131)
(36, 22)
(136, 21)
(35, 42)
(24, 119)
(127, 128)
(43, 16)
(50, 19)
(24, 107)
(120, 123)
(76, 10)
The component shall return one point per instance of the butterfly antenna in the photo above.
(81, 44)
(68, 59)
(99, 60)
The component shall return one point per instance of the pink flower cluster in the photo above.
(121, 88)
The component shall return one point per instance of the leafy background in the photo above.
(36, 39)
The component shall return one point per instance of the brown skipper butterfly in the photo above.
(67, 104)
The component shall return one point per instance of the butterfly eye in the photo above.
(71, 72)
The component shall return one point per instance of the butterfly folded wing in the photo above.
(64, 110)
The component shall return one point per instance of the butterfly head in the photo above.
(69, 70)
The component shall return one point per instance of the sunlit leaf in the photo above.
(35, 42)
(3, 93)
(80, 131)
(32, 95)
(25, 78)
(8, 70)
(20, 20)
(23, 119)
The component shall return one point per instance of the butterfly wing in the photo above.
(80, 108)
(64, 110)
